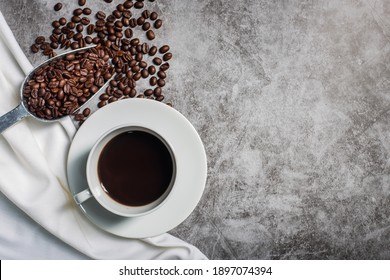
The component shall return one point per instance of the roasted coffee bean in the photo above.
(150, 35)
(165, 66)
(164, 49)
(145, 48)
(70, 25)
(146, 14)
(108, 1)
(79, 28)
(152, 70)
(158, 23)
(102, 104)
(138, 5)
(82, 2)
(153, 81)
(133, 23)
(153, 51)
(40, 40)
(157, 91)
(148, 92)
(86, 112)
(120, 8)
(157, 61)
(134, 42)
(76, 19)
(56, 24)
(57, 7)
(87, 11)
(160, 98)
(142, 64)
(144, 73)
(117, 14)
(161, 74)
(100, 15)
(34, 48)
(128, 4)
(54, 45)
(62, 21)
(167, 56)
(153, 16)
(161, 82)
(85, 21)
(140, 20)
(146, 26)
(90, 29)
(77, 12)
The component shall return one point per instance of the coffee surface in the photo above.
(135, 168)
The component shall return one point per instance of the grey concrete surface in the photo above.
(292, 102)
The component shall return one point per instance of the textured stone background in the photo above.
(291, 99)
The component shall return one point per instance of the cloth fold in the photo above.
(33, 176)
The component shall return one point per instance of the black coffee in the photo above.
(135, 168)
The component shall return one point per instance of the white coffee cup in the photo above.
(95, 188)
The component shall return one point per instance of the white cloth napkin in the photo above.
(33, 177)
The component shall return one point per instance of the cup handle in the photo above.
(82, 196)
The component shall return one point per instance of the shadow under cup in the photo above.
(131, 170)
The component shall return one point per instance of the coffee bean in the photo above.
(85, 21)
(62, 21)
(34, 48)
(82, 2)
(128, 4)
(128, 33)
(87, 11)
(56, 24)
(161, 74)
(161, 82)
(164, 49)
(108, 1)
(145, 48)
(102, 104)
(120, 8)
(141, 20)
(100, 15)
(117, 14)
(148, 92)
(157, 61)
(40, 40)
(86, 112)
(57, 7)
(90, 29)
(165, 66)
(138, 5)
(76, 19)
(144, 73)
(152, 70)
(77, 12)
(79, 28)
(167, 56)
(153, 81)
(146, 26)
(160, 98)
(157, 91)
(153, 16)
(146, 14)
(150, 35)
(158, 23)
(153, 51)
(70, 25)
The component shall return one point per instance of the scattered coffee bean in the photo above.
(40, 40)
(57, 7)
(153, 51)
(161, 82)
(153, 81)
(164, 49)
(77, 12)
(82, 2)
(153, 16)
(157, 61)
(34, 48)
(86, 112)
(108, 1)
(167, 56)
(150, 35)
(158, 23)
(165, 66)
(138, 5)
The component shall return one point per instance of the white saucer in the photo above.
(190, 159)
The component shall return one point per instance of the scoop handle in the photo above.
(12, 117)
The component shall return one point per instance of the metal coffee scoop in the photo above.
(21, 111)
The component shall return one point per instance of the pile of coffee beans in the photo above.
(61, 86)
(133, 58)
